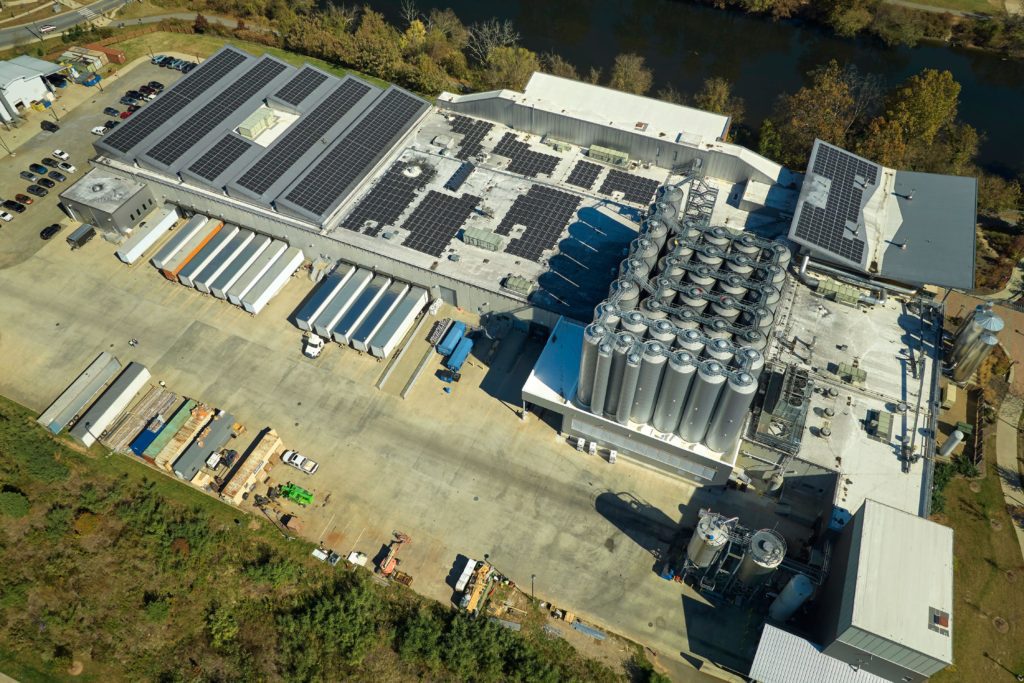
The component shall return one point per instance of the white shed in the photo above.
(22, 82)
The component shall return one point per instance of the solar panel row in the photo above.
(472, 132)
(544, 212)
(224, 152)
(302, 136)
(386, 200)
(186, 135)
(522, 159)
(583, 174)
(633, 188)
(349, 158)
(299, 88)
(437, 220)
(460, 176)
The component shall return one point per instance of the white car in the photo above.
(4, 216)
(299, 462)
(99, 130)
(61, 154)
(314, 345)
(65, 166)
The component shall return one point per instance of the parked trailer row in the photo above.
(190, 249)
(402, 318)
(267, 287)
(375, 316)
(147, 234)
(326, 290)
(361, 305)
(178, 240)
(238, 265)
(341, 302)
(219, 263)
(213, 246)
(79, 393)
(255, 271)
(110, 404)
(177, 421)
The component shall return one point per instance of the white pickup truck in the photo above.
(314, 345)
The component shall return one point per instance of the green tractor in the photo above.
(296, 494)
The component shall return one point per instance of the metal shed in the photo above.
(218, 263)
(184, 234)
(398, 324)
(255, 271)
(272, 281)
(78, 394)
(206, 254)
(359, 309)
(238, 265)
(391, 297)
(322, 295)
(210, 440)
(147, 234)
(106, 409)
(341, 302)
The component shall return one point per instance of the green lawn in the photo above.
(978, 6)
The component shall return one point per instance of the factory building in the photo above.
(22, 83)
(112, 202)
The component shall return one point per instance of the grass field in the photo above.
(977, 6)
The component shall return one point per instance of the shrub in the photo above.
(13, 504)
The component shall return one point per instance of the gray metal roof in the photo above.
(23, 67)
(783, 657)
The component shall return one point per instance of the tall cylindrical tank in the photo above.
(740, 264)
(627, 293)
(602, 368)
(730, 412)
(716, 328)
(701, 276)
(766, 295)
(733, 285)
(675, 386)
(782, 254)
(634, 322)
(665, 211)
(754, 339)
(719, 349)
(726, 307)
(700, 404)
(662, 331)
(765, 554)
(693, 298)
(718, 236)
(691, 341)
(985, 322)
(749, 360)
(968, 319)
(711, 256)
(634, 267)
(952, 442)
(652, 309)
(627, 392)
(759, 317)
(746, 244)
(624, 342)
(651, 370)
(608, 314)
(657, 232)
(593, 335)
(708, 539)
(645, 249)
(796, 592)
(773, 274)
(672, 268)
(971, 359)
(672, 196)
(686, 318)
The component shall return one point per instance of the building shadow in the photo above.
(509, 359)
(723, 634)
(641, 522)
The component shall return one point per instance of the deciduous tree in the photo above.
(716, 95)
(509, 67)
(630, 74)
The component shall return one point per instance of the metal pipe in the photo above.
(859, 281)
(879, 298)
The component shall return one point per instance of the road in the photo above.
(26, 33)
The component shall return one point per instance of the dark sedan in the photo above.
(58, 176)
(49, 126)
(38, 169)
(29, 176)
(37, 191)
(110, 111)
(47, 183)
(50, 231)
(16, 207)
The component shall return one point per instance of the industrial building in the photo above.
(22, 84)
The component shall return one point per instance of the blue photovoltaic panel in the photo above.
(302, 136)
(299, 88)
(217, 159)
(150, 118)
(186, 135)
(350, 158)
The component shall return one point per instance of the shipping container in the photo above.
(81, 236)
(326, 290)
(180, 440)
(207, 442)
(178, 240)
(452, 338)
(360, 308)
(79, 393)
(213, 247)
(238, 265)
(247, 473)
(178, 419)
(147, 234)
(190, 250)
(392, 296)
(218, 263)
(398, 324)
(148, 435)
(272, 281)
(110, 404)
(459, 355)
(255, 271)
(340, 302)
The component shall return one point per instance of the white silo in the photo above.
(652, 369)
(726, 424)
(602, 368)
(952, 442)
(708, 538)
(700, 404)
(593, 335)
(765, 554)
(795, 594)
(984, 322)
(973, 357)
(627, 391)
(675, 387)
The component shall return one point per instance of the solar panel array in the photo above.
(386, 200)
(299, 88)
(186, 135)
(224, 152)
(827, 227)
(302, 136)
(349, 158)
(544, 212)
(472, 132)
(459, 177)
(633, 188)
(522, 159)
(144, 122)
(437, 220)
(583, 174)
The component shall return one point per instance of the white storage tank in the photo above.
(795, 594)
(765, 554)
(708, 539)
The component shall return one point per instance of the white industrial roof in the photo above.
(24, 66)
(617, 109)
(783, 657)
(904, 567)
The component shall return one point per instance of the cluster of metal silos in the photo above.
(973, 341)
(677, 344)
(761, 552)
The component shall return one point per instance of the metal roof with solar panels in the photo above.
(916, 228)
(385, 202)
(545, 213)
(473, 132)
(435, 222)
(584, 174)
(633, 187)
(302, 86)
(522, 159)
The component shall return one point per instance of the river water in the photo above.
(685, 43)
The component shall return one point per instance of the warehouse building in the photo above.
(114, 203)
(22, 82)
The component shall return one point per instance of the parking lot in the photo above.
(461, 473)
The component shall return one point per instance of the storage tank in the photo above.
(644, 249)
(686, 319)
(766, 295)
(665, 211)
(952, 442)
(624, 342)
(774, 274)
(795, 594)
(634, 322)
(730, 412)
(651, 370)
(602, 369)
(657, 232)
(691, 341)
(675, 386)
(711, 256)
(968, 319)
(759, 317)
(608, 314)
(733, 285)
(626, 293)
(973, 357)
(652, 309)
(673, 196)
(700, 404)
(749, 360)
(765, 554)
(718, 236)
(634, 267)
(593, 335)
(740, 264)
(702, 277)
(720, 350)
(782, 255)
(665, 290)
(627, 392)
(662, 331)
(753, 339)
(726, 307)
(708, 539)
(984, 322)
(746, 244)
(693, 298)
(716, 328)
(671, 268)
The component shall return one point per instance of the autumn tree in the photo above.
(997, 195)
(716, 95)
(769, 144)
(509, 67)
(630, 74)
(376, 46)
(556, 65)
(486, 36)
(670, 94)
(201, 24)
(778, 9)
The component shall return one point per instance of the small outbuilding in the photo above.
(22, 82)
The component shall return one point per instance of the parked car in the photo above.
(61, 154)
(125, 114)
(58, 176)
(132, 108)
(50, 230)
(110, 111)
(29, 176)
(23, 198)
(299, 462)
(188, 67)
(135, 94)
(111, 124)
(66, 167)
(128, 100)
(49, 126)
(47, 183)
(47, 28)
(16, 207)
(6, 217)
(156, 59)
(156, 85)
(37, 191)
(38, 169)
(47, 161)
(98, 130)
(81, 236)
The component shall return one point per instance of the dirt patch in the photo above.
(995, 524)
(181, 546)
(1010, 575)
(254, 524)
(1001, 624)
(76, 668)
(975, 487)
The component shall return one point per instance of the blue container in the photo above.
(139, 445)
(455, 334)
(459, 355)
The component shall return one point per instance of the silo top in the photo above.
(767, 548)
(989, 321)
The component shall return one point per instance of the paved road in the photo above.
(1006, 459)
(27, 33)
